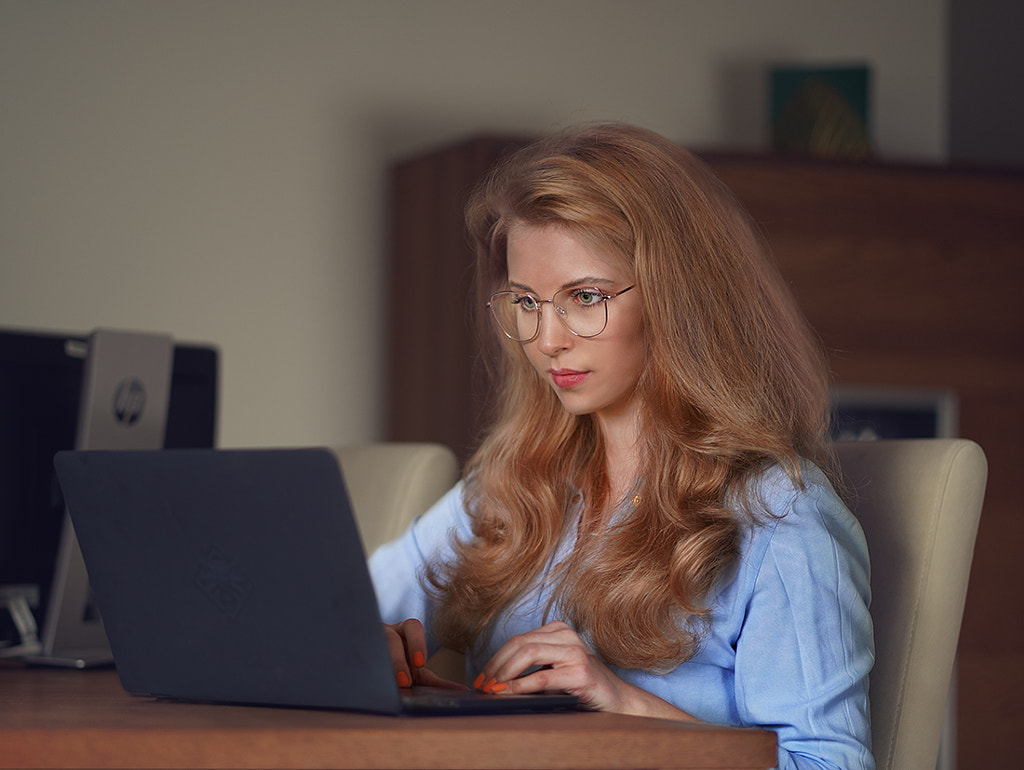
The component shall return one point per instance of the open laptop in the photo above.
(239, 576)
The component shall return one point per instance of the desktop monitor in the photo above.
(46, 382)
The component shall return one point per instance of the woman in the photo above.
(647, 525)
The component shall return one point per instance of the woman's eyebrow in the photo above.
(584, 281)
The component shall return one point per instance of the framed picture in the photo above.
(821, 111)
(869, 412)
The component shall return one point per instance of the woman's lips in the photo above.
(567, 378)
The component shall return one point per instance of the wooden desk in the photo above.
(84, 719)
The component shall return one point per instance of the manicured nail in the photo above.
(403, 679)
(499, 687)
(479, 682)
(418, 660)
(489, 687)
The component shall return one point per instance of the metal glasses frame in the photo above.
(560, 311)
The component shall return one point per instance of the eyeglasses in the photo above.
(583, 311)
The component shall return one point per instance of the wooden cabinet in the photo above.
(911, 275)
(437, 386)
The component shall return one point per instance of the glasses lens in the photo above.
(584, 310)
(517, 314)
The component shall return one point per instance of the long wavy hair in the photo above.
(734, 381)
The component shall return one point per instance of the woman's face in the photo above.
(595, 375)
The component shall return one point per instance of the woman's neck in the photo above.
(622, 453)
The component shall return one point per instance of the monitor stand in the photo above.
(126, 387)
(18, 601)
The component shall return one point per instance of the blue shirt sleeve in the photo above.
(805, 646)
(396, 568)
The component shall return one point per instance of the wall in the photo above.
(986, 101)
(216, 169)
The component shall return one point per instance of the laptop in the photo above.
(238, 576)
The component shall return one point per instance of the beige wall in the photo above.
(216, 170)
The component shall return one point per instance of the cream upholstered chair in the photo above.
(919, 502)
(390, 484)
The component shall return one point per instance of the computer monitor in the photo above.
(42, 379)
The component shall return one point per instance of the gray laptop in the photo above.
(238, 576)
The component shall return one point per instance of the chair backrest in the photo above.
(390, 484)
(919, 502)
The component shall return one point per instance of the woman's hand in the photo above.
(407, 645)
(566, 663)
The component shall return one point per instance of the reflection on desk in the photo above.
(84, 719)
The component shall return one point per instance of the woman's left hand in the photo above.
(569, 665)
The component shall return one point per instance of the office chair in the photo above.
(919, 502)
(390, 484)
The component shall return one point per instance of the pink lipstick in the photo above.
(567, 378)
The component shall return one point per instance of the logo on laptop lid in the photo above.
(221, 581)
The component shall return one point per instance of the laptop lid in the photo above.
(239, 576)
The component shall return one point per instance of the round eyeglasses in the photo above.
(583, 311)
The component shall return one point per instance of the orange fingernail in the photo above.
(479, 682)
(489, 687)
(499, 687)
(418, 660)
(403, 679)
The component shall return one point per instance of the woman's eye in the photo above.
(587, 297)
(526, 302)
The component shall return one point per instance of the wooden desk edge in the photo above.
(73, 720)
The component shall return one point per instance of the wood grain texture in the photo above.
(75, 719)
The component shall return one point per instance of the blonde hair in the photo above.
(734, 382)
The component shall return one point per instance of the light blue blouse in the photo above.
(790, 644)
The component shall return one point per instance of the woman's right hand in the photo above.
(407, 645)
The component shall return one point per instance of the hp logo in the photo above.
(129, 401)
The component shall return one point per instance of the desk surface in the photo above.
(58, 718)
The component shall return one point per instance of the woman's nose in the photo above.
(552, 336)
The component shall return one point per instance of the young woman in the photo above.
(649, 524)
